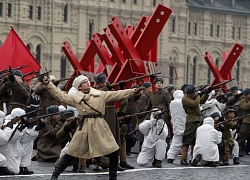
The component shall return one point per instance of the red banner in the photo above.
(14, 53)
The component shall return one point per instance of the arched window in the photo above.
(194, 70)
(171, 73)
(173, 24)
(65, 13)
(208, 75)
(187, 69)
(217, 62)
(63, 66)
(91, 28)
(28, 47)
(238, 71)
(38, 54)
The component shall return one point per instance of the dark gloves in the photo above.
(10, 125)
(209, 90)
(221, 127)
(62, 120)
(235, 126)
(237, 96)
(224, 99)
(108, 86)
(67, 128)
(120, 114)
(11, 78)
(40, 78)
(40, 125)
(122, 85)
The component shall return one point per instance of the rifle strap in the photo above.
(92, 108)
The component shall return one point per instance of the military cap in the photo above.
(52, 109)
(234, 88)
(147, 84)
(190, 89)
(67, 113)
(183, 87)
(214, 115)
(246, 91)
(101, 77)
(135, 86)
(170, 88)
(229, 110)
(158, 79)
(17, 72)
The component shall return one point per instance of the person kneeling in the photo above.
(206, 144)
(153, 149)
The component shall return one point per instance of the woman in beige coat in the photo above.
(94, 138)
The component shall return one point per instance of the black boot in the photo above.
(25, 171)
(236, 160)
(113, 164)
(61, 164)
(184, 162)
(158, 163)
(97, 164)
(126, 165)
(6, 171)
(119, 168)
(196, 160)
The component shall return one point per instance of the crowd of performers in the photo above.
(83, 126)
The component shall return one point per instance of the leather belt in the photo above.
(91, 116)
(110, 106)
(19, 104)
(48, 99)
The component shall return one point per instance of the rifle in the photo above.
(8, 69)
(204, 88)
(222, 83)
(40, 76)
(135, 79)
(35, 119)
(19, 118)
(136, 114)
(63, 79)
(234, 119)
(32, 72)
(205, 109)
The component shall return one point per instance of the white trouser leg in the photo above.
(146, 156)
(175, 147)
(236, 149)
(160, 148)
(27, 154)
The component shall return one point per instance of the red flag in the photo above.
(14, 53)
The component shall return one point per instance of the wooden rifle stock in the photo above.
(136, 114)
(19, 118)
(35, 119)
(65, 79)
(133, 79)
(234, 119)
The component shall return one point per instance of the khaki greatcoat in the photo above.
(95, 138)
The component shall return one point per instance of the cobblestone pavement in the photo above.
(173, 171)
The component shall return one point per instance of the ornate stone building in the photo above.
(195, 27)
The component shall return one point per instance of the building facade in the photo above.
(194, 27)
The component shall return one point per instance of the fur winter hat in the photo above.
(77, 82)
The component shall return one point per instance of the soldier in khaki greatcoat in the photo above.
(93, 137)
